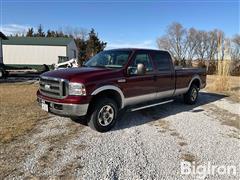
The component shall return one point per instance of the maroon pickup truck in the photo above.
(114, 80)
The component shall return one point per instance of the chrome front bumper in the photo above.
(65, 109)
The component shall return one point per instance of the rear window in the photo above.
(163, 61)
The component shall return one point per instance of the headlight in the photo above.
(76, 89)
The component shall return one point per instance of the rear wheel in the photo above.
(103, 115)
(191, 96)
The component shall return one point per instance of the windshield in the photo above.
(109, 59)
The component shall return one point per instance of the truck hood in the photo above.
(81, 74)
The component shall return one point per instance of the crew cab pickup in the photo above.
(115, 80)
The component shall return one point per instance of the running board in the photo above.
(151, 105)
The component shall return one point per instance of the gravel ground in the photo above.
(147, 144)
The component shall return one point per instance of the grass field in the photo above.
(19, 110)
(232, 83)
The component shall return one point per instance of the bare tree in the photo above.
(202, 45)
(75, 32)
(174, 41)
(192, 42)
(213, 45)
(236, 39)
(83, 34)
(236, 47)
(206, 46)
(220, 49)
(163, 43)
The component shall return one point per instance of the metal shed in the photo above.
(38, 50)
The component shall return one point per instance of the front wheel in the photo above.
(103, 115)
(191, 96)
(2, 73)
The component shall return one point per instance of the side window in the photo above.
(144, 59)
(121, 59)
(163, 61)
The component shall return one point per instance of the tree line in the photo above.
(88, 42)
(184, 44)
(192, 44)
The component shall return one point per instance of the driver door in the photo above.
(140, 88)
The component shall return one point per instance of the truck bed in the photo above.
(183, 76)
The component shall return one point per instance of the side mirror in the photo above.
(141, 70)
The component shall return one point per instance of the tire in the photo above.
(103, 115)
(2, 74)
(191, 96)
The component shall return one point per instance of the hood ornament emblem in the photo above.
(47, 86)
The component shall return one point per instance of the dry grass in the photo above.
(221, 82)
(19, 110)
(229, 85)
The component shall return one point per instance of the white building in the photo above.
(2, 37)
(38, 50)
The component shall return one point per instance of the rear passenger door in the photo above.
(165, 77)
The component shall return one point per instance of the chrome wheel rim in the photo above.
(106, 115)
(194, 94)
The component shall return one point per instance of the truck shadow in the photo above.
(131, 119)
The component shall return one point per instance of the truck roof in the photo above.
(136, 49)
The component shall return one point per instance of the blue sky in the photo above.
(121, 23)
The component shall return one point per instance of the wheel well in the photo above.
(196, 82)
(112, 94)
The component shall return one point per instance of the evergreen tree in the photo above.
(49, 33)
(93, 44)
(59, 34)
(40, 32)
(30, 32)
(81, 44)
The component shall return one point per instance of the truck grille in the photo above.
(53, 87)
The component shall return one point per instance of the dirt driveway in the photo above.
(148, 144)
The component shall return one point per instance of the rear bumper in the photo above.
(63, 109)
